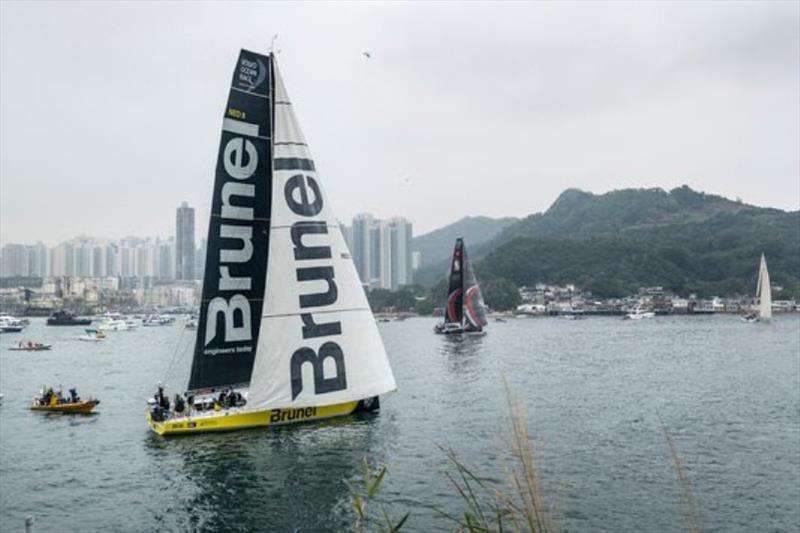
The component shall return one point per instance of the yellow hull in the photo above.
(82, 407)
(233, 420)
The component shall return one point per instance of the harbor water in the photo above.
(593, 391)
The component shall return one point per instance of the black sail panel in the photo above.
(455, 289)
(238, 232)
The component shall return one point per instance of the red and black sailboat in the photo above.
(465, 311)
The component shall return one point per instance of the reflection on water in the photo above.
(462, 352)
(285, 477)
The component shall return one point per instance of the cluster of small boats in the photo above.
(118, 322)
(100, 326)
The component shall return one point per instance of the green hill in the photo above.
(613, 243)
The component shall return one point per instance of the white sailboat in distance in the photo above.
(285, 332)
(763, 310)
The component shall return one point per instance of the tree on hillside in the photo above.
(500, 294)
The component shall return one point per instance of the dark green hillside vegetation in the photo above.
(614, 243)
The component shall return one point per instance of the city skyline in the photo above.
(383, 255)
(594, 97)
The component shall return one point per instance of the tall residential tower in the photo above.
(184, 242)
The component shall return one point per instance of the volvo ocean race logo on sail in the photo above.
(251, 73)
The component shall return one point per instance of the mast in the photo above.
(238, 233)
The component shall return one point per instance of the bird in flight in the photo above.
(367, 55)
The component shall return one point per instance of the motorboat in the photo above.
(30, 346)
(92, 335)
(65, 318)
(639, 314)
(10, 324)
(157, 320)
(110, 324)
(54, 402)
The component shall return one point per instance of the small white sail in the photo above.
(764, 291)
(318, 344)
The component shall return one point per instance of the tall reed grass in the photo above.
(518, 505)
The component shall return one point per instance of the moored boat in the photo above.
(639, 314)
(10, 324)
(465, 311)
(285, 332)
(110, 324)
(157, 320)
(65, 318)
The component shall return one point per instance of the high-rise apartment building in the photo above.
(401, 271)
(14, 260)
(184, 242)
(381, 251)
(361, 249)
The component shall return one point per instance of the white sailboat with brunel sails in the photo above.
(465, 311)
(285, 331)
(763, 310)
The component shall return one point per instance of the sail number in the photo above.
(303, 197)
(237, 113)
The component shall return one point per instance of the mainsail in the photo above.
(318, 342)
(455, 289)
(283, 311)
(764, 291)
(238, 233)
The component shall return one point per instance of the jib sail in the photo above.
(318, 342)
(474, 308)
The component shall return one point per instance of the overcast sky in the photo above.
(110, 113)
